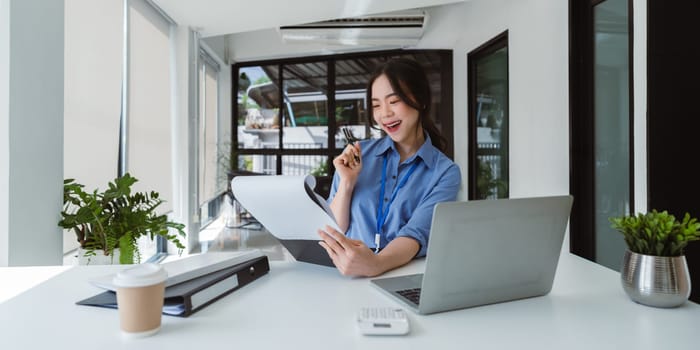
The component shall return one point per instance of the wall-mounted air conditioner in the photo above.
(404, 28)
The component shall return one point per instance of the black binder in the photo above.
(190, 296)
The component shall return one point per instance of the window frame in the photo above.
(445, 114)
(498, 42)
(582, 241)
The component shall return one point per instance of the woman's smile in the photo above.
(392, 127)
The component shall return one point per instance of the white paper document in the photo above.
(286, 205)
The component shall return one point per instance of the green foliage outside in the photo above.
(262, 80)
(486, 184)
(321, 170)
(247, 103)
(247, 163)
(657, 233)
(115, 218)
(226, 162)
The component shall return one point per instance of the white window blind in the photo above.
(149, 118)
(92, 94)
(209, 187)
(92, 88)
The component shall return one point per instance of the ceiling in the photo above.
(220, 17)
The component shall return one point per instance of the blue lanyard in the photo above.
(382, 214)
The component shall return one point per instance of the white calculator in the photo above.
(382, 321)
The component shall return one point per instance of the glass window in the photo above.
(305, 110)
(611, 116)
(350, 93)
(602, 176)
(258, 127)
(488, 120)
(303, 165)
(319, 95)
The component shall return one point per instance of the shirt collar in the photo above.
(426, 152)
(385, 145)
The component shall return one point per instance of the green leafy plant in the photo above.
(115, 218)
(321, 170)
(657, 233)
(322, 173)
(227, 163)
(487, 185)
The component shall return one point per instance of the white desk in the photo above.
(298, 305)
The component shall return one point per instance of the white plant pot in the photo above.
(99, 258)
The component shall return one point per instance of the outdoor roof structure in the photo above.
(350, 74)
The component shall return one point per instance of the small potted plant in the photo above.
(654, 269)
(113, 220)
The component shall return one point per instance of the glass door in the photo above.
(488, 119)
(611, 120)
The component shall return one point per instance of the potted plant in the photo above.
(654, 269)
(113, 220)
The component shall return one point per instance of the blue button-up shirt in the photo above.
(435, 179)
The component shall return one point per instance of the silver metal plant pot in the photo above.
(660, 281)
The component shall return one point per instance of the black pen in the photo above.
(349, 141)
(357, 158)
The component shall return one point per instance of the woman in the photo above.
(384, 190)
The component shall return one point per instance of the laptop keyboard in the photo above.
(412, 294)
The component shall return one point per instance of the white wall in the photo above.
(4, 130)
(538, 92)
(217, 46)
(639, 62)
(538, 87)
(32, 108)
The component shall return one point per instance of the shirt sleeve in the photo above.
(334, 188)
(418, 226)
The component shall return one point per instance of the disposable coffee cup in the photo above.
(140, 299)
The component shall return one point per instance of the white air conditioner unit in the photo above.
(404, 28)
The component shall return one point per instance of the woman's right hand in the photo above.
(348, 164)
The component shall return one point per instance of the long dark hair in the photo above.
(409, 82)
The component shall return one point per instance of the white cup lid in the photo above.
(146, 274)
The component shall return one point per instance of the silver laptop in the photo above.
(484, 252)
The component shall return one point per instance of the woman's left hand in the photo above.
(352, 257)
